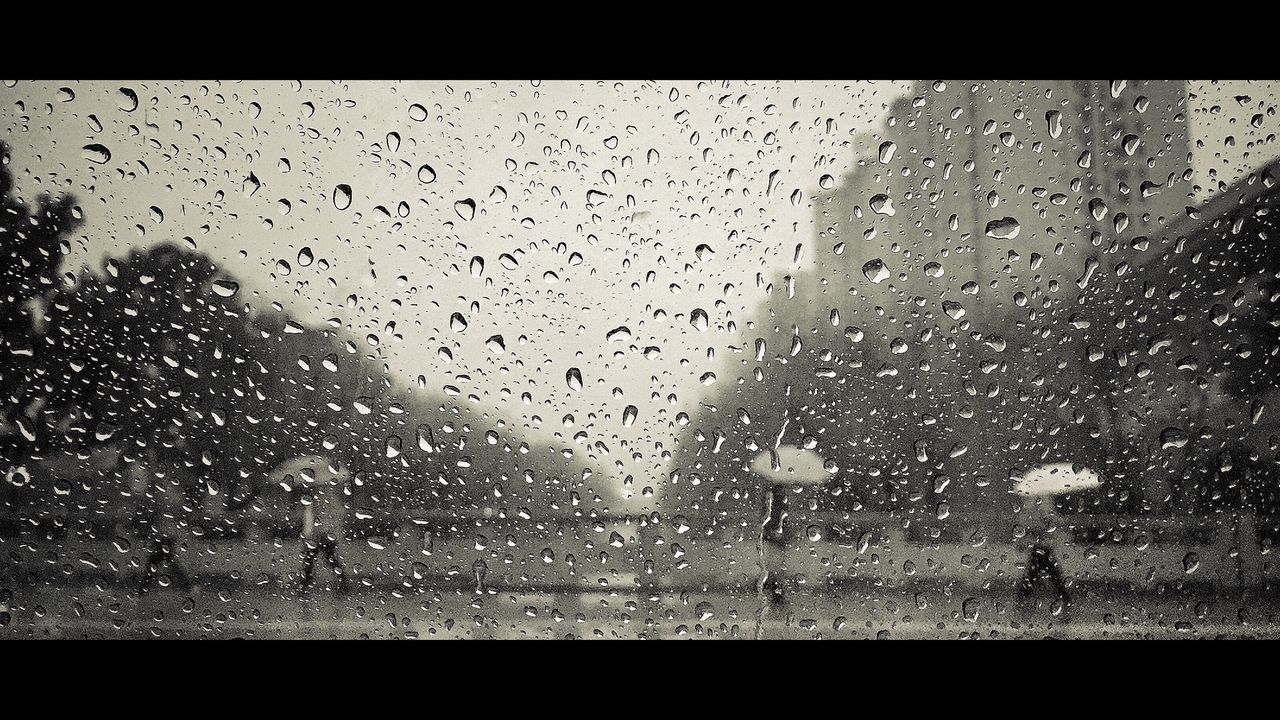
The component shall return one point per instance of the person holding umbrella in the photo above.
(158, 525)
(1039, 487)
(782, 466)
(1042, 564)
(324, 493)
(774, 536)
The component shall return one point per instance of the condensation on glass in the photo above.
(718, 359)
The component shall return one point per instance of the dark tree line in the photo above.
(155, 357)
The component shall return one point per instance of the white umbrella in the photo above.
(304, 470)
(1056, 479)
(794, 466)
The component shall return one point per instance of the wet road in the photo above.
(255, 612)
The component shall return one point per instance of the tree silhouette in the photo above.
(32, 244)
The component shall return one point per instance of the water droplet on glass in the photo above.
(1054, 119)
(875, 271)
(97, 153)
(127, 100)
(698, 319)
(225, 288)
(342, 196)
(466, 209)
(882, 205)
(1006, 228)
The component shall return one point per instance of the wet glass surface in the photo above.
(718, 359)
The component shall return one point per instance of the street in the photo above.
(251, 612)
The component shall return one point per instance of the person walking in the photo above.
(323, 524)
(774, 537)
(1042, 564)
(158, 527)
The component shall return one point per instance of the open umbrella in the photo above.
(304, 470)
(793, 466)
(785, 465)
(1056, 479)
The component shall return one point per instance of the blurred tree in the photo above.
(32, 243)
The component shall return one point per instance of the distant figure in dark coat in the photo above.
(1042, 565)
(775, 543)
(323, 526)
(157, 525)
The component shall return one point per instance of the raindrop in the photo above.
(1190, 563)
(698, 319)
(875, 271)
(97, 153)
(225, 288)
(1171, 438)
(426, 441)
(127, 100)
(954, 310)
(342, 196)
(1006, 228)
(466, 209)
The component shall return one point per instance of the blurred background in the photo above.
(638, 359)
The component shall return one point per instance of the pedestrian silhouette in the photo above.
(157, 524)
(775, 543)
(323, 523)
(1042, 564)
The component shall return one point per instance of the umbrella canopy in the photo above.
(1056, 479)
(793, 466)
(305, 470)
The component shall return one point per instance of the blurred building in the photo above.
(938, 343)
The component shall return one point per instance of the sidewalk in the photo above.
(409, 566)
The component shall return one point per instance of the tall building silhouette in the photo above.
(937, 344)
